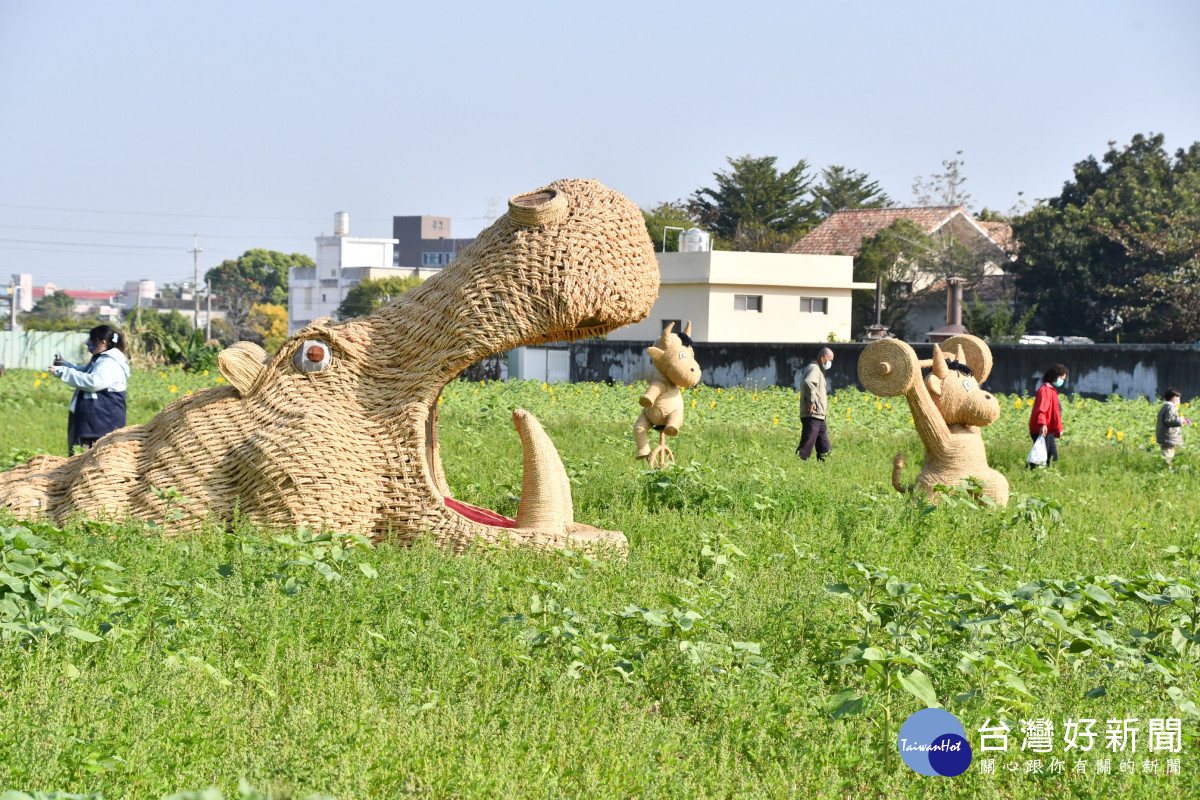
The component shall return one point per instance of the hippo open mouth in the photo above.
(338, 428)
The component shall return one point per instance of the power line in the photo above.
(105, 253)
(150, 233)
(159, 213)
(93, 244)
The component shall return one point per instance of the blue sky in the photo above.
(127, 126)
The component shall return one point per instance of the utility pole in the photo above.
(208, 314)
(195, 251)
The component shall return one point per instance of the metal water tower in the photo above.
(341, 223)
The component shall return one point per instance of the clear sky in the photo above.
(127, 126)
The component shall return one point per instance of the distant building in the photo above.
(88, 303)
(739, 297)
(425, 243)
(342, 262)
(844, 231)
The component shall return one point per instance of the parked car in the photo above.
(1040, 337)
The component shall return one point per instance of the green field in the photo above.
(773, 623)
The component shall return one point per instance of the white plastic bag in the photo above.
(1037, 453)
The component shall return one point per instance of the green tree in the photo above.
(999, 323)
(843, 188)
(664, 215)
(901, 254)
(267, 325)
(1118, 251)
(56, 312)
(754, 205)
(258, 276)
(157, 334)
(370, 295)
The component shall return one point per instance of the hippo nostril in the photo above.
(538, 208)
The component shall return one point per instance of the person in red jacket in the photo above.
(1045, 419)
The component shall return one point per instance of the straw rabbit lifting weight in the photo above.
(675, 367)
(948, 408)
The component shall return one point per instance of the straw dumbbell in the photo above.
(888, 368)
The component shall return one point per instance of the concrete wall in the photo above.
(703, 287)
(1094, 370)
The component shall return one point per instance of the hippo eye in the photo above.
(313, 355)
(682, 354)
(968, 385)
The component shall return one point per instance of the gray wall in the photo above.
(1096, 370)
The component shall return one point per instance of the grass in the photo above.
(699, 666)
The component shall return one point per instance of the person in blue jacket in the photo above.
(98, 405)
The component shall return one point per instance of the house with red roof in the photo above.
(843, 233)
(88, 302)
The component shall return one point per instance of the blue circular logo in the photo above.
(933, 742)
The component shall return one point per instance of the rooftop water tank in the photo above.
(694, 240)
(341, 223)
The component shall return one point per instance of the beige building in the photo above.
(736, 297)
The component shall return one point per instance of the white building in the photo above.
(751, 297)
(342, 261)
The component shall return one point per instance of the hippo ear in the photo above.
(543, 207)
(935, 384)
(241, 363)
(654, 353)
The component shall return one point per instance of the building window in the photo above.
(323, 298)
(308, 297)
(814, 305)
(435, 259)
(747, 302)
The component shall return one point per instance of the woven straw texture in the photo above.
(349, 441)
(948, 409)
(675, 368)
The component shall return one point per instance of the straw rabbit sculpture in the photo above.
(662, 405)
(339, 428)
(948, 408)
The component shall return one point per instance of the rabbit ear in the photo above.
(939, 363)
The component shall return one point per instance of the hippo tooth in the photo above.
(545, 489)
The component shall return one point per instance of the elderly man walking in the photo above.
(813, 406)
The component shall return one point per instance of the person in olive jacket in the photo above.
(813, 407)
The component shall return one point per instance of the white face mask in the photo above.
(827, 365)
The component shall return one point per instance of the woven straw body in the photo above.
(662, 404)
(948, 409)
(338, 429)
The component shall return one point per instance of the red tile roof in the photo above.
(79, 294)
(844, 231)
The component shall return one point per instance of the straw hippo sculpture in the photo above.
(339, 428)
(948, 409)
